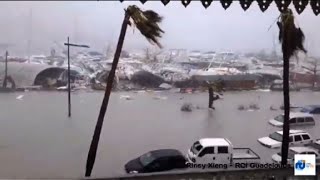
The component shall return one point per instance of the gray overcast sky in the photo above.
(98, 23)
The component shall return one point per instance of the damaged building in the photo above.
(26, 75)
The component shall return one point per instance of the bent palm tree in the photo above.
(147, 23)
(292, 41)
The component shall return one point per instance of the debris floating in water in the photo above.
(165, 86)
(160, 97)
(273, 108)
(126, 97)
(250, 108)
(254, 107)
(241, 107)
(19, 97)
(187, 107)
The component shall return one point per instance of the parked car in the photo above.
(314, 145)
(296, 137)
(219, 151)
(311, 109)
(296, 150)
(157, 160)
(296, 119)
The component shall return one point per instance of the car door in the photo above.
(207, 155)
(300, 121)
(292, 121)
(291, 141)
(306, 138)
(309, 121)
(298, 139)
(164, 164)
(154, 166)
(223, 155)
(178, 162)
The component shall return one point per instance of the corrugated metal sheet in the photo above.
(23, 74)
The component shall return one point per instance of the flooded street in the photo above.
(38, 140)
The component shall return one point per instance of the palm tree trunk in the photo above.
(286, 98)
(96, 136)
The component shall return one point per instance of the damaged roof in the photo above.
(23, 74)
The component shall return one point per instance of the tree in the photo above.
(292, 41)
(147, 23)
(313, 69)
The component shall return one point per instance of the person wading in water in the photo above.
(212, 96)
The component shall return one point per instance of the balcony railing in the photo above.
(240, 174)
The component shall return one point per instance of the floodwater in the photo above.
(38, 140)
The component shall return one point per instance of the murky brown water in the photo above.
(37, 140)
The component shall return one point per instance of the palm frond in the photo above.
(294, 34)
(148, 23)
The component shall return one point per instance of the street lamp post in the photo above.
(69, 86)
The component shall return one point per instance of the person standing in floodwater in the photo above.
(212, 97)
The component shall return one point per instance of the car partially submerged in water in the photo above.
(296, 150)
(296, 138)
(311, 109)
(295, 119)
(156, 161)
(314, 145)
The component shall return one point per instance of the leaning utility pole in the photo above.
(69, 88)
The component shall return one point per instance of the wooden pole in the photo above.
(69, 72)
(69, 87)
(6, 71)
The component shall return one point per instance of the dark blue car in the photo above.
(156, 161)
(311, 109)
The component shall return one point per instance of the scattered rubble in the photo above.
(251, 107)
(165, 86)
(254, 106)
(241, 107)
(20, 97)
(160, 98)
(273, 108)
(187, 107)
(126, 97)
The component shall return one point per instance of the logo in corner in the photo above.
(304, 165)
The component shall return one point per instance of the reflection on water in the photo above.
(37, 140)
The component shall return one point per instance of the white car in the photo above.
(296, 119)
(296, 150)
(219, 151)
(296, 137)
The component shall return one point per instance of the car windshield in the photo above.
(276, 136)
(196, 147)
(279, 118)
(146, 159)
